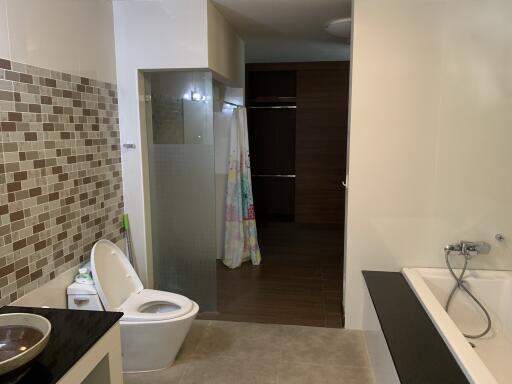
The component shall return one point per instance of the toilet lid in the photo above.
(113, 275)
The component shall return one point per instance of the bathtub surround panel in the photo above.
(60, 173)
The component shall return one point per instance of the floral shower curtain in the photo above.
(241, 238)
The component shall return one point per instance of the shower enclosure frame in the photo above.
(146, 125)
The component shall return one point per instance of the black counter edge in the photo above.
(436, 363)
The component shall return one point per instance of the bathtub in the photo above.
(490, 361)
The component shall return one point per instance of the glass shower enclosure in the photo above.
(181, 166)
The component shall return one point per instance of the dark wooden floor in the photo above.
(298, 282)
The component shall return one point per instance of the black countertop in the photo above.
(73, 334)
(419, 352)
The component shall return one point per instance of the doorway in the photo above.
(297, 121)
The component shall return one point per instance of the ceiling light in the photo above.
(340, 27)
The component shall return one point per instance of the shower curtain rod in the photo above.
(273, 107)
(263, 106)
(233, 104)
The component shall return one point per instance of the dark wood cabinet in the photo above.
(298, 153)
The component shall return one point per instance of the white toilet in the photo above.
(154, 324)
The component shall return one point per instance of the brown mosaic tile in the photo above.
(25, 78)
(15, 216)
(48, 127)
(46, 100)
(40, 245)
(14, 116)
(20, 176)
(19, 244)
(34, 108)
(5, 64)
(36, 275)
(7, 126)
(13, 187)
(30, 136)
(7, 270)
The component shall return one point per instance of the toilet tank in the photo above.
(83, 296)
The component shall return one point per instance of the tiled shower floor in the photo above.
(221, 352)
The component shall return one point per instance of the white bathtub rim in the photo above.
(469, 361)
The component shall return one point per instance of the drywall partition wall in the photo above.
(429, 136)
(226, 50)
(75, 37)
(165, 34)
(155, 35)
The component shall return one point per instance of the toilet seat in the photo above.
(152, 305)
(120, 289)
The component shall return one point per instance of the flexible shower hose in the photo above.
(460, 284)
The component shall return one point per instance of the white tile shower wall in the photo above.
(75, 37)
(429, 136)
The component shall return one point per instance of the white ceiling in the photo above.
(287, 30)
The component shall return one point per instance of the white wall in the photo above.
(226, 50)
(158, 34)
(75, 37)
(431, 108)
(163, 34)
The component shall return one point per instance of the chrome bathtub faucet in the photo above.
(469, 248)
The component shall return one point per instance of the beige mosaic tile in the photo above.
(60, 173)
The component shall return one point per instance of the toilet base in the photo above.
(152, 346)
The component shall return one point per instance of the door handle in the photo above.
(344, 183)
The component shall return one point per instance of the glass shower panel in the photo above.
(182, 183)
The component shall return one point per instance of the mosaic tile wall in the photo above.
(60, 173)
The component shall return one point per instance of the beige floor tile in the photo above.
(197, 331)
(304, 373)
(225, 370)
(222, 352)
(324, 346)
(237, 340)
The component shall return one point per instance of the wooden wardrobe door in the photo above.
(321, 144)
